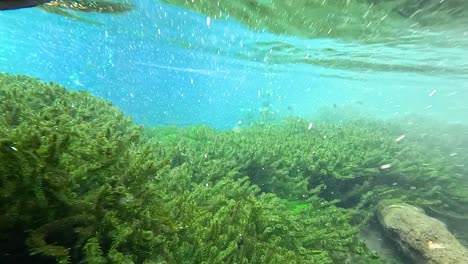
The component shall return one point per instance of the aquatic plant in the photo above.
(228, 221)
(79, 183)
(72, 175)
(361, 162)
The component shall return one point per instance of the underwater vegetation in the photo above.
(81, 183)
(366, 20)
(71, 175)
(359, 162)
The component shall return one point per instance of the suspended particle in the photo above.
(386, 166)
(400, 138)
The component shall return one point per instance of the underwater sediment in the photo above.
(81, 182)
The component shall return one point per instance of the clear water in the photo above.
(168, 65)
(164, 65)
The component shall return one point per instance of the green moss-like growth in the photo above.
(79, 183)
(229, 221)
(360, 162)
(72, 173)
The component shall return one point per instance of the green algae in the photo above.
(296, 207)
(79, 182)
(359, 162)
(71, 168)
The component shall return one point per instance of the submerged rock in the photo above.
(423, 238)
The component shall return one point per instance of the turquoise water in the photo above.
(306, 187)
(165, 66)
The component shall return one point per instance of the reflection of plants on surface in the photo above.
(348, 19)
(432, 12)
(99, 6)
(60, 7)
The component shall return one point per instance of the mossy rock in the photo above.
(425, 239)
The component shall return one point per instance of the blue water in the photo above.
(164, 65)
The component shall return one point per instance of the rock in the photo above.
(424, 239)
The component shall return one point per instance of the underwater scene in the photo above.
(234, 131)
